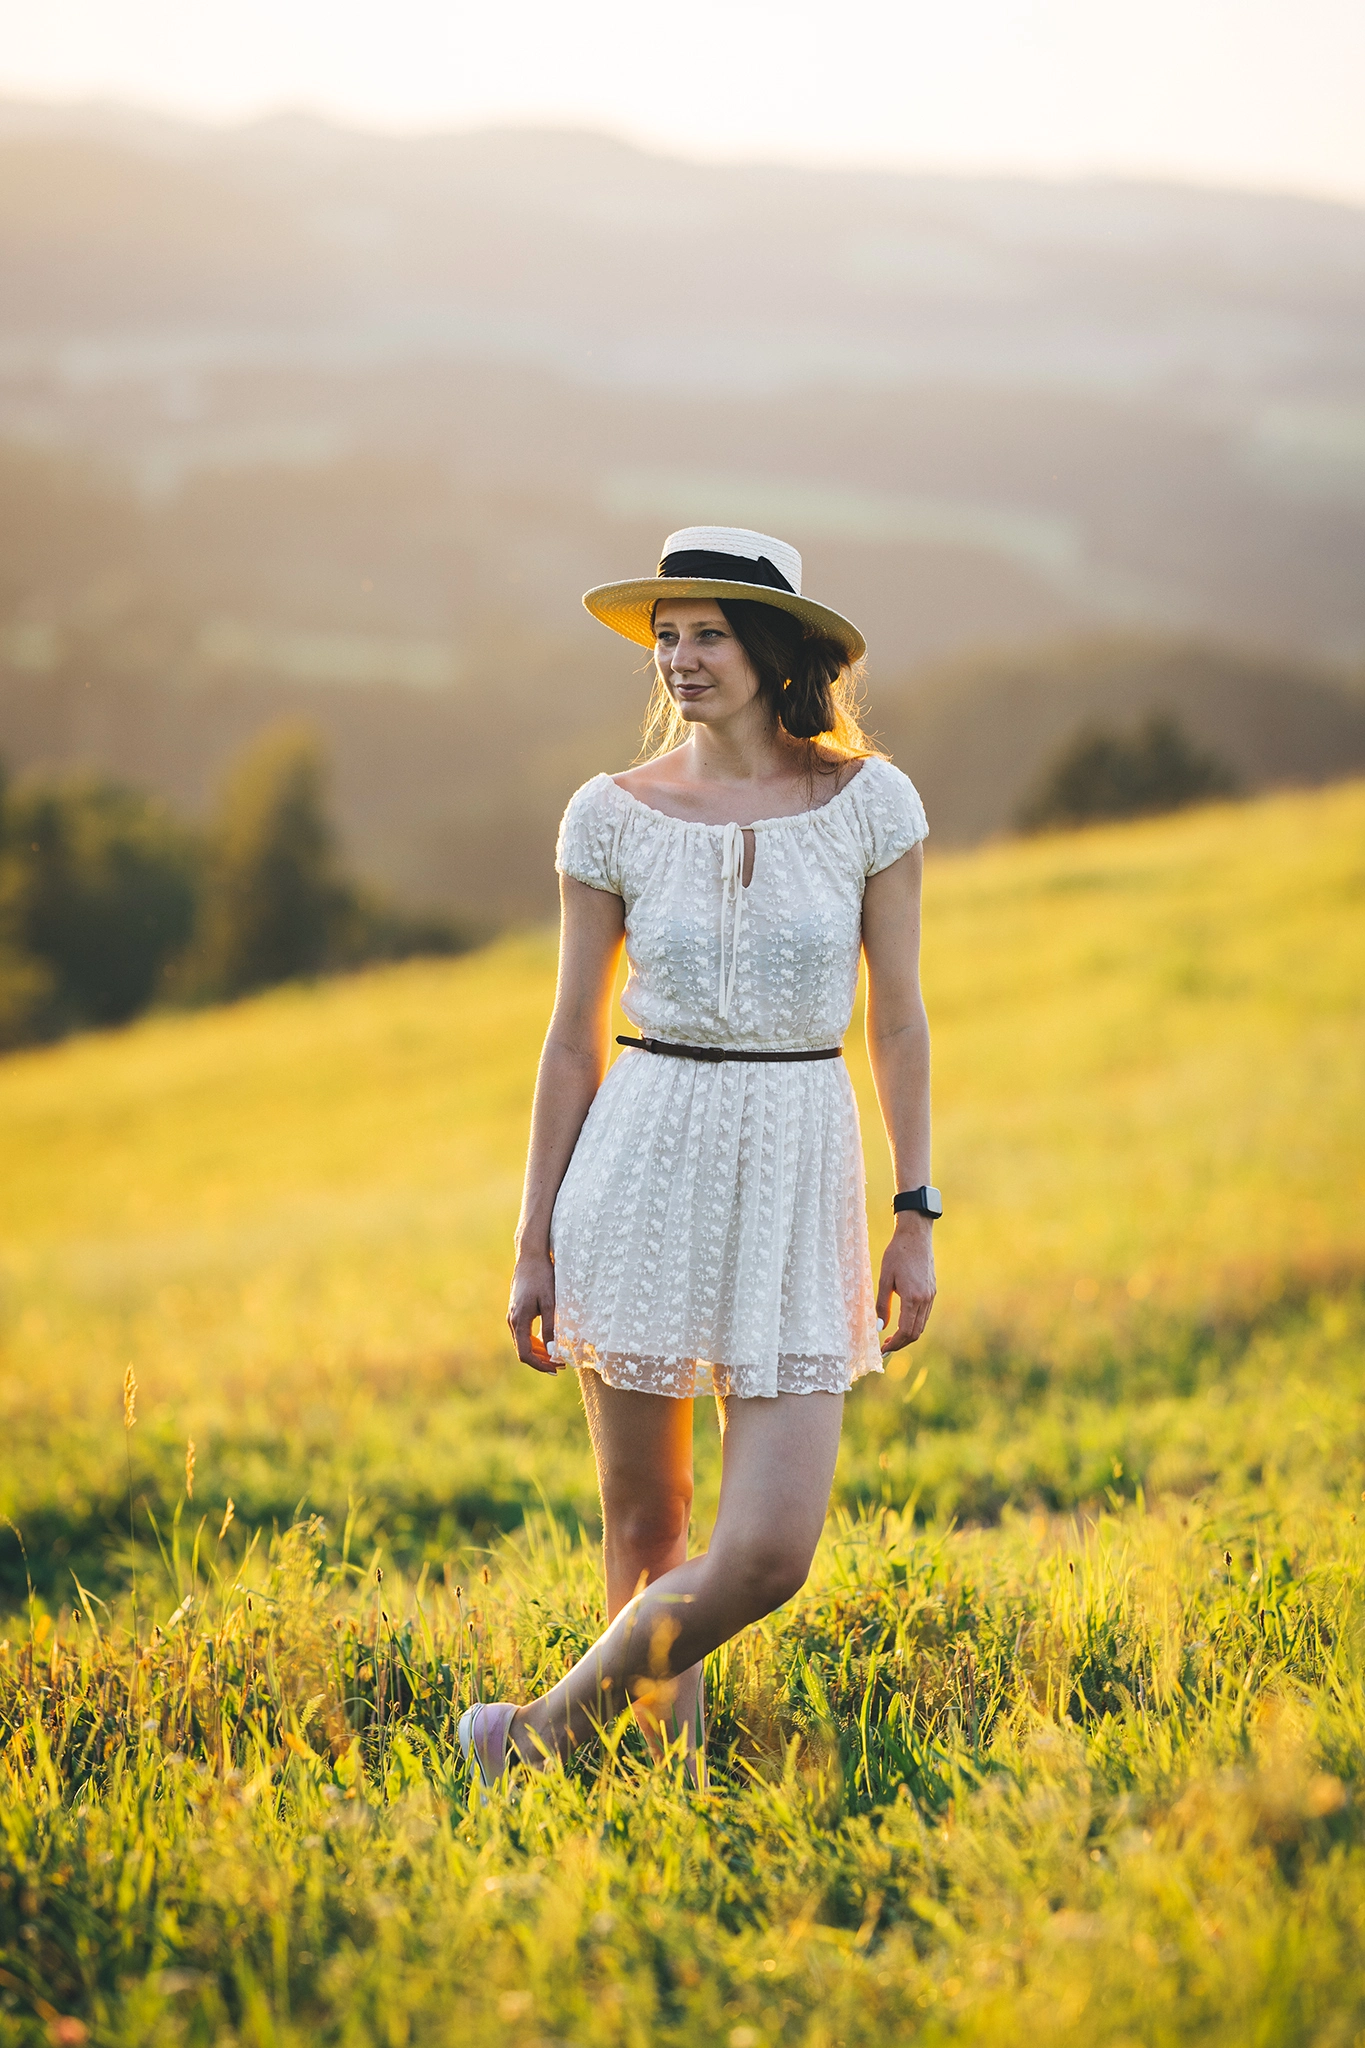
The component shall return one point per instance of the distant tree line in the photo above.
(109, 902)
(1100, 773)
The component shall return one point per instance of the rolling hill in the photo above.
(294, 1214)
(292, 417)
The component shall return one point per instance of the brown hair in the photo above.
(805, 679)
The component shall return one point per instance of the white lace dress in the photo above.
(710, 1235)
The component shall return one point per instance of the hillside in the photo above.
(294, 1214)
(1062, 1741)
(245, 239)
(972, 734)
(975, 733)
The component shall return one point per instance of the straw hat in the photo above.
(719, 561)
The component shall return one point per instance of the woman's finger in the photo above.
(900, 1336)
(535, 1351)
(910, 1328)
(530, 1350)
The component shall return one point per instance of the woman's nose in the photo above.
(683, 659)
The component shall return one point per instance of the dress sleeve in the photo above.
(586, 849)
(893, 817)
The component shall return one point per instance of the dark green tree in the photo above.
(1105, 774)
(97, 895)
(25, 983)
(275, 905)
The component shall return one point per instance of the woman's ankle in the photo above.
(527, 1742)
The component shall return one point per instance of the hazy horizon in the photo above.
(284, 114)
(1235, 97)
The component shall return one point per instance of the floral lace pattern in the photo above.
(710, 1234)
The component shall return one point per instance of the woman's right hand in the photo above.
(533, 1300)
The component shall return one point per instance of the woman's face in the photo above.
(704, 669)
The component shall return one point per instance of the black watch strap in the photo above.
(924, 1201)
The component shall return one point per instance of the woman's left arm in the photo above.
(898, 1046)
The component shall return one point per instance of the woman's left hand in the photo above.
(908, 1273)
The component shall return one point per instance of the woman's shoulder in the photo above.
(877, 773)
(888, 809)
(654, 783)
(600, 799)
(638, 776)
(586, 848)
(865, 782)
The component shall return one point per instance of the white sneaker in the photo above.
(483, 1735)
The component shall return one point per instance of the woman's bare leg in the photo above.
(643, 1447)
(778, 1467)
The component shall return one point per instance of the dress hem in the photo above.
(690, 1379)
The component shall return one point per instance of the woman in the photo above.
(694, 1221)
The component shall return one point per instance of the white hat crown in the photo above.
(741, 541)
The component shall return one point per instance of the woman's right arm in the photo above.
(574, 1059)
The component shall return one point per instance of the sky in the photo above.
(1266, 93)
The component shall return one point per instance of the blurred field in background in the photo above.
(287, 430)
(1086, 1772)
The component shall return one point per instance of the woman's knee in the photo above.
(648, 1526)
(768, 1572)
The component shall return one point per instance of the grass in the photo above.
(1063, 1741)
(1048, 1783)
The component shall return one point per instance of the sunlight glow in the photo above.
(1230, 91)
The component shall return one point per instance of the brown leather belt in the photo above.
(718, 1052)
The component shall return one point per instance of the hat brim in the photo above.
(628, 607)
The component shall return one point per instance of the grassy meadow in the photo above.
(1064, 1740)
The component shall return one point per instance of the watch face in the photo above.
(933, 1202)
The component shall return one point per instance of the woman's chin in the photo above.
(708, 709)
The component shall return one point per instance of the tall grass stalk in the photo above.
(129, 1423)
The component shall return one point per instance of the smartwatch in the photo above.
(925, 1201)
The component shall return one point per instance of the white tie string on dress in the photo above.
(731, 899)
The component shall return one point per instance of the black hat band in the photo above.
(718, 568)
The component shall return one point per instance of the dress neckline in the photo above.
(785, 818)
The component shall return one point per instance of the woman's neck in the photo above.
(743, 749)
